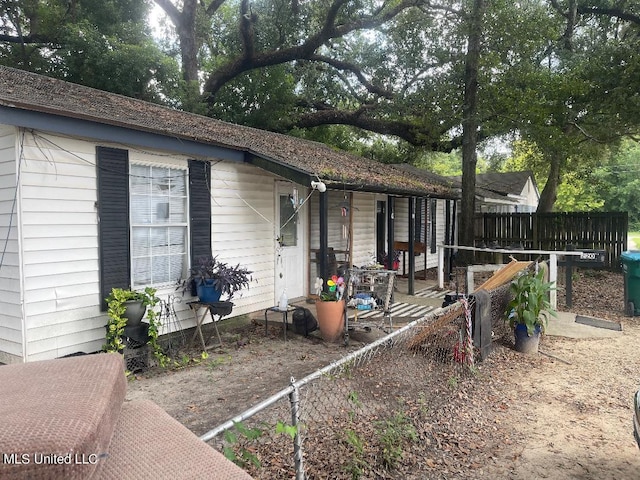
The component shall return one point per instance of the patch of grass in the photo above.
(216, 362)
(634, 237)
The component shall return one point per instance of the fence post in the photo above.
(294, 400)
(483, 327)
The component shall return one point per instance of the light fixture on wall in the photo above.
(319, 185)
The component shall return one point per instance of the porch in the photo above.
(404, 308)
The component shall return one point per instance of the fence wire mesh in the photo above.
(374, 414)
(500, 297)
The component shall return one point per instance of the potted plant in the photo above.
(330, 309)
(125, 303)
(395, 260)
(135, 304)
(210, 278)
(528, 311)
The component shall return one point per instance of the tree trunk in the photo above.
(550, 190)
(185, 23)
(470, 127)
(188, 44)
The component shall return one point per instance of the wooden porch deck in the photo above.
(405, 308)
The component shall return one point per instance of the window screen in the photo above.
(158, 209)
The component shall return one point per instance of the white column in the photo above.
(440, 266)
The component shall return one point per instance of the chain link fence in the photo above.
(373, 413)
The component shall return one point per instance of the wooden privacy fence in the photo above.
(555, 231)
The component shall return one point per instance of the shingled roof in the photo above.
(504, 182)
(35, 93)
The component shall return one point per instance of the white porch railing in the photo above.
(552, 254)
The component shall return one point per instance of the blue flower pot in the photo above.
(207, 292)
(524, 342)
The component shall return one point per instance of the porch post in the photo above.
(447, 228)
(553, 277)
(412, 240)
(324, 237)
(390, 232)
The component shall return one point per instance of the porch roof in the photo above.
(296, 159)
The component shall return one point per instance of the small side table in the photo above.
(285, 318)
(219, 309)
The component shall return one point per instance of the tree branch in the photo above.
(413, 134)
(342, 65)
(171, 10)
(28, 39)
(610, 12)
(214, 6)
(251, 60)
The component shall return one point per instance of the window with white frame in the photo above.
(158, 220)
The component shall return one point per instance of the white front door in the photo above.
(291, 263)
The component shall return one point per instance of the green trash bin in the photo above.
(631, 269)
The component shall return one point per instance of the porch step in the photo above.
(55, 409)
(399, 310)
(148, 443)
(433, 292)
(67, 418)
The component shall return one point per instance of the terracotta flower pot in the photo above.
(330, 320)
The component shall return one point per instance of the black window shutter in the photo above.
(418, 225)
(200, 208)
(113, 220)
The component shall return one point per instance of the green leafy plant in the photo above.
(357, 464)
(286, 429)
(394, 433)
(236, 449)
(529, 305)
(226, 278)
(354, 400)
(216, 362)
(117, 322)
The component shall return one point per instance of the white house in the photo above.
(506, 192)
(99, 191)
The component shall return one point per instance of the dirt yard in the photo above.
(563, 414)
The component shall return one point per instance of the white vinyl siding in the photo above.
(401, 230)
(338, 226)
(60, 247)
(432, 258)
(243, 228)
(10, 302)
(401, 225)
(364, 228)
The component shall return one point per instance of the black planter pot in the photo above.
(134, 311)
